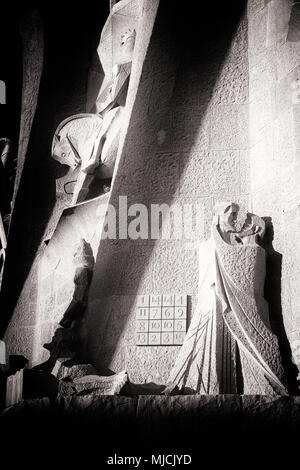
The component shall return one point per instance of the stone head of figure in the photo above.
(62, 151)
(83, 255)
(227, 216)
(127, 44)
(254, 228)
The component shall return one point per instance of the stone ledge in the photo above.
(156, 422)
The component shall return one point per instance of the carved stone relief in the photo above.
(229, 347)
(8, 164)
(67, 339)
(91, 141)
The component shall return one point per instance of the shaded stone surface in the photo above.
(69, 369)
(62, 92)
(274, 48)
(154, 423)
(191, 115)
(184, 142)
(92, 385)
(39, 384)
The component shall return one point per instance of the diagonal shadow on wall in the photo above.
(273, 297)
(70, 36)
(182, 66)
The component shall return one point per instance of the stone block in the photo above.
(108, 273)
(284, 138)
(245, 182)
(278, 15)
(287, 58)
(261, 115)
(232, 84)
(187, 128)
(26, 312)
(21, 340)
(228, 127)
(138, 271)
(164, 174)
(257, 28)
(287, 176)
(49, 310)
(261, 162)
(14, 388)
(69, 369)
(194, 89)
(64, 294)
(175, 269)
(287, 91)
(161, 54)
(293, 27)
(149, 363)
(255, 6)
(43, 334)
(32, 34)
(291, 258)
(106, 323)
(161, 93)
(166, 418)
(265, 411)
(210, 173)
(113, 411)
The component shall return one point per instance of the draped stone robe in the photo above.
(229, 347)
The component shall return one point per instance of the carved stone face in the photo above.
(254, 227)
(228, 217)
(128, 36)
(63, 153)
(127, 44)
(228, 225)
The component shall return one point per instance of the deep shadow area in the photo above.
(10, 73)
(154, 425)
(71, 36)
(273, 297)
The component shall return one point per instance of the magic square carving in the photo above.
(161, 319)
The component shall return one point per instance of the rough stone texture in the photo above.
(61, 260)
(64, 368)
(190, 424)
(14, 388)
(185, 143)
(33, 296)
(274, 129)
(231, 288)
(31, 30)
(196, 117)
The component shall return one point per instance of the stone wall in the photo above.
(274, 59)
(65, 84)
(222, 425)
(186, 143)
(211, 115)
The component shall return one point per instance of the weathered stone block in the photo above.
(68, 369)
(164, 171)
(284, 137)
(224, 120)
(171, 266)
(287, 58)
(208, 173)
(138, 271)
(287, 90)
(261, 158)
(278, 15)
